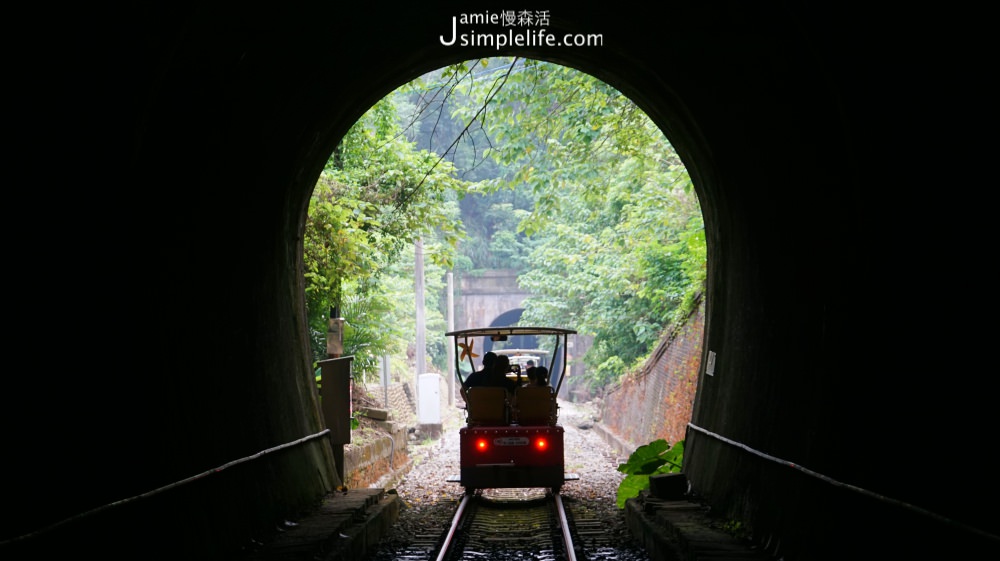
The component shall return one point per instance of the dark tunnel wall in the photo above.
(168, 158)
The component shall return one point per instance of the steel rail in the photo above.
(567, 538)
(445, 550)
(454, 527)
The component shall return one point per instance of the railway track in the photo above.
(503, 524)
(511, 464)
(512, 525)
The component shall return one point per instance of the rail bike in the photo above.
(512, 439)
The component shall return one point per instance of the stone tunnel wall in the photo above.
(657, 401)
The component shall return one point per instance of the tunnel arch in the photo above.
(650, 87)
(509, 317)
(583, 61)
(740, 224)
(662, 106)
(420, 71)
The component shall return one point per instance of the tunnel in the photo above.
(164, 160)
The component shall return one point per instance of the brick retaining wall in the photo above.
(657, 401)
(365, 464)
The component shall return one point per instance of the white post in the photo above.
(448, 344)
(418, 274)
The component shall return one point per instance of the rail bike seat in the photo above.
(535, 405)
(487, 405)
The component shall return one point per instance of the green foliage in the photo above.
(563, 179)
(369, 329)
(447, 115)
(736, 529)
(651, 459)
(609, 236)
(377, 195)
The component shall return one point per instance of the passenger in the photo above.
(497, 375)
(527, 373)
(478, 378)
(530, 374)
(541, 376)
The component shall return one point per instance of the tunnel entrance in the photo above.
(628, 220)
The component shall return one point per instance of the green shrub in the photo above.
(653, 458)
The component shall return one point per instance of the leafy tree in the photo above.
(576, 188)
(436, 116)
(376, 196)
(614, 243)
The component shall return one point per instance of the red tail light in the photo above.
(482, 444)
(541, 444)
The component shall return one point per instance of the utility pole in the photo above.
(335, 334)
(450, 347)
(418, 274)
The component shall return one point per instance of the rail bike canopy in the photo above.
(550, 348)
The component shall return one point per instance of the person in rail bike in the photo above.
(497, 375)
(529, 373)
(478, 377)
(540, 376)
